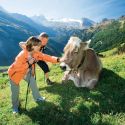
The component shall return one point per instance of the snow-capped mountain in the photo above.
(87, 22)
(64, 22)
(40, 19)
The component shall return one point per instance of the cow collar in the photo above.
(75, 70)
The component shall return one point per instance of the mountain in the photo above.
(109, 36)
(25, 19)
(32, 23)
(86, 23)
(12, 32)
(64, 23)
(106, 35)
(40, 19)
(56, 39)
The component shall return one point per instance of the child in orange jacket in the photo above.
(23, 68)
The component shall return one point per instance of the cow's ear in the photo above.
(88, 42)
(84, 45)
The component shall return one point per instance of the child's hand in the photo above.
(61, 60)
(31, 61)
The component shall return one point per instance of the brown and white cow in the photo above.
(81, 64)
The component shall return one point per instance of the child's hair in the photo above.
(32, 41)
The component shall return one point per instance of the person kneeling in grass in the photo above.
(23, 68)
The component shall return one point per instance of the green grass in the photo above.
(67, 105)
(3, 77)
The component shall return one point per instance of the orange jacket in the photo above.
(19, 68)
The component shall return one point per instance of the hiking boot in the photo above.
(40, 99)
(15, 111)
(49, 82)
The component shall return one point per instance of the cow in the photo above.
(80, 63)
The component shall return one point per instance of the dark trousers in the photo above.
(43, 65)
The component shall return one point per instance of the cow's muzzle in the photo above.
(63, 66)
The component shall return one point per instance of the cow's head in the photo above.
(73, 53)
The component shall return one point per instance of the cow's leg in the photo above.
(91, 83)
(90, 79)
(82, 82)
(75, 79)
(77, 84)
(65, 77)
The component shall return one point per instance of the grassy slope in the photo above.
(66, 104)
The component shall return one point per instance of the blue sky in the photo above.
(92, 9)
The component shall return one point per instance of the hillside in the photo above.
(66, 104)
(111, 36)
(106, 35)
(36, 25)
(12, 32)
